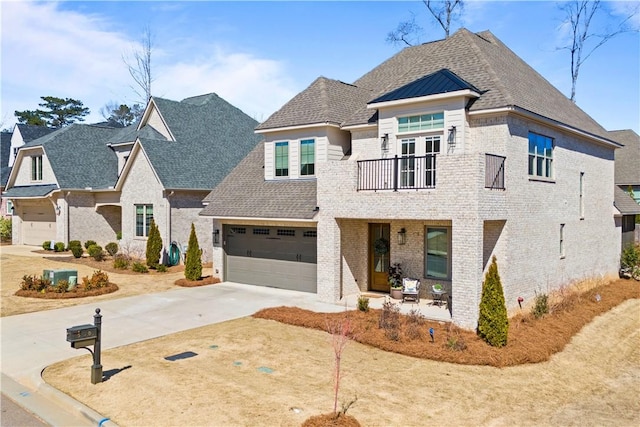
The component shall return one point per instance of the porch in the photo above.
(425, 306)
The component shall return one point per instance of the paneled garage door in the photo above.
(280, 257)
(38, 224)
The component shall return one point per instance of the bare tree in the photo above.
(444, 12)
(584, 40)
(140, 66)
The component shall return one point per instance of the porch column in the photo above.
(329, 256)
(466, 252)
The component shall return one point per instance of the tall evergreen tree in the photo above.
(58, 112)
(193, 267)
(493, 324)
(154, 245)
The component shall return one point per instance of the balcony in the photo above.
(397, 173)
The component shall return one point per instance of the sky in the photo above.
(258, 55)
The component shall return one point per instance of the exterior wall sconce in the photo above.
(402, 236)
(216, 236)
(58, 210)
(384, 143)
(451, 138)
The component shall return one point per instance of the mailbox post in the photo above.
(82, 336)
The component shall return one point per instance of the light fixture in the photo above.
(384, 142)
(216, 236)
(58, 210)
(451, 139)
(402, 236)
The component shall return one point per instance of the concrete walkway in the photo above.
(32, 341)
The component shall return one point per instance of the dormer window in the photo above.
(424, 122)
(282, 159)
(307, 157)
(36, 168)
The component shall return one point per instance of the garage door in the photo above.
(38, 224)
(280, 257)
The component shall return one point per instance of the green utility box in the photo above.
(56, 275)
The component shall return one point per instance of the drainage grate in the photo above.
(185, 355)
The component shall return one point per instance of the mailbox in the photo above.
(82, 335)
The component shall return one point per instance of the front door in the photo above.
(379, 256)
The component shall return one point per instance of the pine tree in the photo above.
(493, 324)
(193, 267)
(154, 245)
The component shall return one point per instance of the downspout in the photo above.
(168, 216)
(66, 210)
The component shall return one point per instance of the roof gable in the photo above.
(627, 158)
(442, 81)
(31, 132)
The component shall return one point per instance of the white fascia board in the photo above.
(361, 126)
(247, 219)
(398, 102)
(147, 113)
(288, 128)
(546, 121)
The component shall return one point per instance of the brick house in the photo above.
(86, 182)
(442, 156)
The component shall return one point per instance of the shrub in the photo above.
(95, 252)
(76, 248)
(99, 279)
(193, 267)
(46, 245)
(154, 245)
(493, 324)
(119, 235)
(630, 256)
(61, 287)
(390, 320)
(139, 267)
(161, 268)
(363, 303)
(5, 229)
(112, 248)
(34, 283)
(541, 306)
(59, 247)
(89, 243)
(121, 262)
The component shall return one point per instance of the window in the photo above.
(561, 240)
(581, 195)
(9, 207)
(437, 253)
(307, 157)
(408, 163)
(286, 232)
(282, 159)
(36, 168)
(238, 230)
(432, 148)
(310, 233)
(261, 231)
(144, 216)
(540, 155)
(423, 122)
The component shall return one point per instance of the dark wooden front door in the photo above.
(379, 256)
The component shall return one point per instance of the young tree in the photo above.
(584, 40)
(57, 112)
(443, 11)
(154, 246)
(193, 267)
(493, 324)
(140, 67)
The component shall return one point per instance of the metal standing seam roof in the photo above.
(627, 158)
(245, 193)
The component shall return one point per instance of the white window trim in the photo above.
(145, 226)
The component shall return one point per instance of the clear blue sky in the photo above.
(257, 55)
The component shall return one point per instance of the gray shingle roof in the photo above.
(479, 59)
(324, 101)
(442, 81)
(5, 150)
(624, 203)
(627, 157)
(30, 191)
(245, 193)
(212, 136)
(79, 156)
(31, 132)
(130, 133)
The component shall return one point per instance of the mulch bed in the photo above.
(76, 293)
(530, 340)
(207, 280)
(331, 420)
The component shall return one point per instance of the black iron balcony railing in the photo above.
(397, 173)
(494, 172)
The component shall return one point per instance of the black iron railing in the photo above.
(397, 173)
(494, 172)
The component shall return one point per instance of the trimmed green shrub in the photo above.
(59, 247)
(76, 248)
(493, 324)
(111, 248)
(541, 306)
(119, 235)
(363, 303)
(154, 245)
(46, 245)
(89, 243)
(5, 229)
(630, 256)
(95, 252)
(139, 267)
(161, 268)
(121, 262)
(193, 262)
